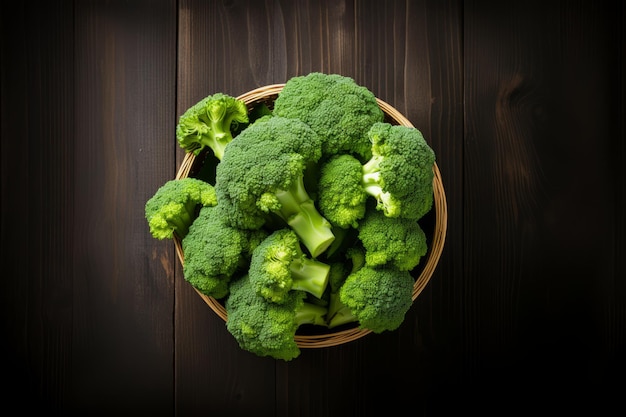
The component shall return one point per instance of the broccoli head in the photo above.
(400, 173)
(399, 177)
(211, 122)
(172, 208)
(378, 297)
(278, 266)
(394, 241)
(266, 328)
(214, 252)
(262, 172)
(335, 106)
(341, 196)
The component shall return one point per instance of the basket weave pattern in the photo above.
(268, 94)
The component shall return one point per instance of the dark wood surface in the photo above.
(523, 103)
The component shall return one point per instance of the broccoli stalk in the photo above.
(373, 185)
(279, 266)
(211, 122)
(266, 328)
(310, 313)
(299, 211)
(338, 313)
(309, 275)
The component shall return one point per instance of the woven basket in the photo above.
(437, 218)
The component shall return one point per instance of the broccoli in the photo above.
(262, 172)
(338, 313)
(400, 173)
(356, 256)
(379, 298)
(399, 176)
(341, 196)
(266, 328)
(336, 107)
(172, 208)
(278, 266)
(344, 238)
(211, 122)
(394, 241)
(214, 252)
(309, 217)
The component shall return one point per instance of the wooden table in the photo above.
(523, 103)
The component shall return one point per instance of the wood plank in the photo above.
(218, 53)
(391, 37)
(123, 279)
(540, 177)
(293, 39)
(523, 103)
(37, 181)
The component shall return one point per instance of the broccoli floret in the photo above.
(214, 252)
(394, 241)
(400, 173)
(336, 107)
(211, 122)
(341, 196)
(262, 172)
(378, 297)
(265, 328)
(279, 265)
(399, 176)
(172, 208)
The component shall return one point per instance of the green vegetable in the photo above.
(262, 172)
(394, 241)
(266, 328)
(344, 239)
(312, 215)
(400, 173)
(211, 122)
(214, 252)
(279, 265)
(338, 313)
(172, 208)
(399, 176)
(379, 298)
(336, 107)
(341, 196)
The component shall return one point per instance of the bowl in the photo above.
(434, 224)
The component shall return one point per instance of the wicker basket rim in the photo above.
(436, 248)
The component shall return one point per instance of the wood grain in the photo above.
(37, 182)
(523, 103)
(541, 172)
(123, 281)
